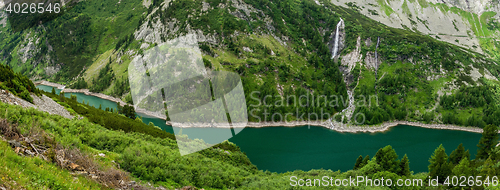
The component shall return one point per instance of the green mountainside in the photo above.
(279, 48)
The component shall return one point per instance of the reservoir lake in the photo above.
(282, 149)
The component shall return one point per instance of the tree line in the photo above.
(441, 165)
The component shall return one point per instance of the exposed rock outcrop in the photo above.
(371, 62)
(428, 17)
(42, 103)
(353, 57)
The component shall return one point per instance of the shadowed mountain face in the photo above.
(24, 14)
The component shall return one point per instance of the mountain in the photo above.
(280, 48)
(471, 24)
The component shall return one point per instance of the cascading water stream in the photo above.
(336, 44)
(376, 65)
(376, 48)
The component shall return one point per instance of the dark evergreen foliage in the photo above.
(17, 83)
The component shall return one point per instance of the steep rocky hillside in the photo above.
(471, 24)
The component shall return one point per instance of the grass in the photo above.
(34, 173)
(385, 7)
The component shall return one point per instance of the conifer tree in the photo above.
(488, 169)
(404, 166)
(463, 168)
(457, 154)
(439, 165)
(357, 165)
(365, 161)
(487, 142)
(388, 159)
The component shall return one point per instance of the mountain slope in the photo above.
(470, 24)
(279, 48)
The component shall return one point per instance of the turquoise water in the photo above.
(92, 100)
(281, 149)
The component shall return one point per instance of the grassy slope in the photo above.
(150, 159)
(156, 160)
(19, 172)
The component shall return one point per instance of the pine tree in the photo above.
(463, 168)
(61, 97)
(365, 161)
(487, 142)
(457, 154)
(466, 155)
(439, 165)
(358, 162)
(388, 159)
(100, 106)
(119, 108)
(488, 169)
(53, 90)
(404, 166)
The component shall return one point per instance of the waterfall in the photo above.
(336, 46)
(376, 48)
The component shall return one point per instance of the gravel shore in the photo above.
(345, 128)
(339, 128)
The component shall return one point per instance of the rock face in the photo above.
(28, 51)
(158, 32)
(473, 6)
(353, 57)
(371, 62)
(434, 18)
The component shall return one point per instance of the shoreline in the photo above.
(342, 128)
(383, 127)
(99, 95)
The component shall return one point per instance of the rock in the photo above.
(83, 173)
(188, 188)
(353, 57)
(30, 153)
(247, 49)
(102, 155)
(14, 143)
(17, 150)
(77, 167)
(144, 45)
